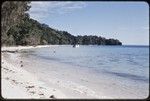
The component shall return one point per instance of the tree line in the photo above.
(28, 31)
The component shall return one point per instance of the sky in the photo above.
(125, 21)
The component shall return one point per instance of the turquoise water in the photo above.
(129, 62)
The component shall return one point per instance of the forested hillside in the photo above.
(30, 32)
(12, 13)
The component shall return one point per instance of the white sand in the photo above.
(18, 83)
(25, 47)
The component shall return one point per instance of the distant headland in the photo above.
(31, 32)
(22, 30)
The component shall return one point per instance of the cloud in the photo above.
(41, 10)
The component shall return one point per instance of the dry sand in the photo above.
(17, 83)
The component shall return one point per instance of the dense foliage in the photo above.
(19, 29)
(31, 32)
(12, 13)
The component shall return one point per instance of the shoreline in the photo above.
(15, 78)
(59, 84)
(17, 48)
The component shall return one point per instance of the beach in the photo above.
(17, 83)
(19, 75)
(26, 84)
(74, 50)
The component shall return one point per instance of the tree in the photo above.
(12, 13)
(31, 32)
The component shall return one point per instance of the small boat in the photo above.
(75, 46)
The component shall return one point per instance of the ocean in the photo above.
(95, 67)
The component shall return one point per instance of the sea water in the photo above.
(128, 65)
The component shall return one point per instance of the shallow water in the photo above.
(127, 66)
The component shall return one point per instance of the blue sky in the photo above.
(126, 21)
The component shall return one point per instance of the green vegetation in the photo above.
(12, 13)
(30, 32)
